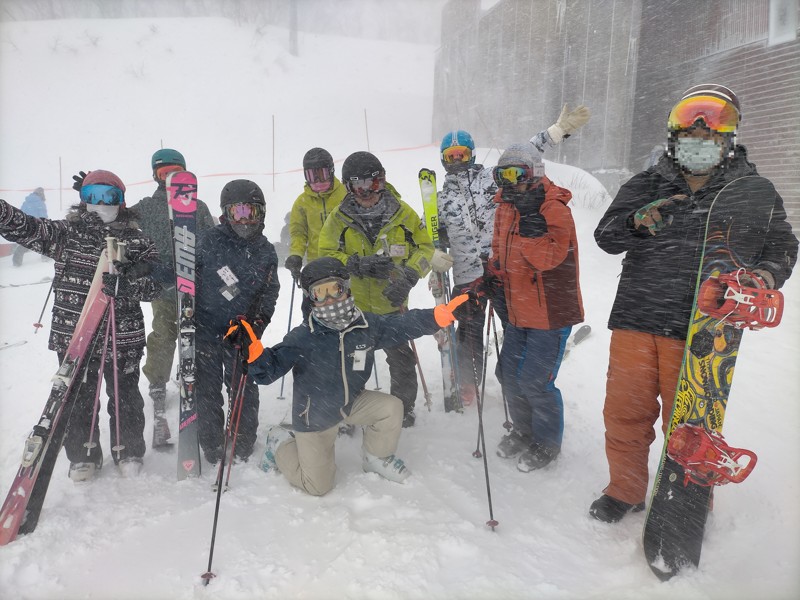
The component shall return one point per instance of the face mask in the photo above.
(697, 156)
(105, 212)
(337, 315)
(247, 230)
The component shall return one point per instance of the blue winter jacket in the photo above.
(34, 206)
(234, 277)
(331, 368)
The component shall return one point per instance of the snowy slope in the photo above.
(210, 89)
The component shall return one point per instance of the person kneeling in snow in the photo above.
(331, 356)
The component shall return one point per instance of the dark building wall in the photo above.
(504, 74)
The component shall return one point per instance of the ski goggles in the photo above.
(162, 172)
(456, 154)
(330, 288)
(516, 174)
(365, 186)
(718, 114)
(245, 213)
(319, 175)
(100, 193)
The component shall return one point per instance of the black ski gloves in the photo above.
(531, 222)
(294, 263)
(397, 291)
(78, 184)
(375, 266)
(124, 283)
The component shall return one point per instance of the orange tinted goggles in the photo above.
(456, 154)
(162, 172)
(717, 114)
(332, 288)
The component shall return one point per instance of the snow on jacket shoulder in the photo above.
(235, 277)
(331, 368)
(540, 275)
(75, 243)
(656, 288)
(406, 235)
(309, 212)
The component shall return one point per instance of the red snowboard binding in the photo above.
(728, 299)
(705, 457)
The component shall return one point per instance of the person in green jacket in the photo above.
(386, 249)
(322, 193)
(152, 215)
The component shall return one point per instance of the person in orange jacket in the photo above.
(535, 256)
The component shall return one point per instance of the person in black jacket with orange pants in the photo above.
(236, 271)
(658, 220)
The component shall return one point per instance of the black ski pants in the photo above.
(216, 360)
(469, 342)
(131, 410)
(403, 374)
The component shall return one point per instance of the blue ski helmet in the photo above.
(452, 139)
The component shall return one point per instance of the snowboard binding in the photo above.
(705, 457)
(727, 298)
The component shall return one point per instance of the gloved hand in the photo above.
(116, 285)
(654, 216)
(397, 291)
(441, 261)
(240, 335)
(294, 263)
(531, 222)
(568, 122)
(377, 266)
(78, 184)
(463, 307)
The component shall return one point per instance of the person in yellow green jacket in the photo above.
(386, 249)
(321, 194)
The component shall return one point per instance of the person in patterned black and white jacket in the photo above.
(466, 222)
(75, 243)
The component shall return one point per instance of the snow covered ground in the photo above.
(105, 94)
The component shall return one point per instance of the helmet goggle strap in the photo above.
(456, 155)
(164, 170)
(335, 288)
(511, 175)
(319, 175)
(244, 213)
(717, 114)
(364, 186)
(100, 193)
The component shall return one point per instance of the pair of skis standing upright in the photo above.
(22, 507)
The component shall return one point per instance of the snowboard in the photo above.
(23, 504)
(439, 284)
(182, 198)
(737, 221)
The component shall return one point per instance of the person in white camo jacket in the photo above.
(466, 222)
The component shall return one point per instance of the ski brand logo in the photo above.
(183, 193)
(184, 260)
(188, 465)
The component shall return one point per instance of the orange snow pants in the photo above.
(641, 368)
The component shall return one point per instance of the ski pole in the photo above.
(208, 575)
(38, 325)
(375, 370)
(492, 522)
(235, 416)
(295, 284)
(100, 370)
(507, 423)
(484, 369)
(421, 376)
(115, 252)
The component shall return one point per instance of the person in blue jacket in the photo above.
(236, 272)
(331, 356)
(33, 206)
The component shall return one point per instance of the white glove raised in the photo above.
(441, 261)
(569, 122)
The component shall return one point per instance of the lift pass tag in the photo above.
(359, 360)
(227, 276)
(397, 251)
